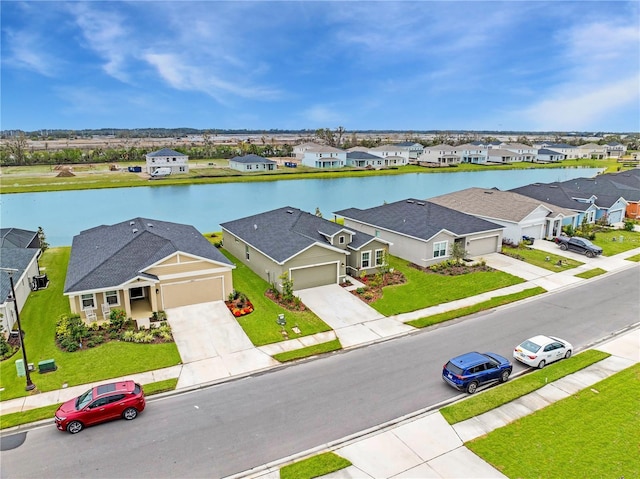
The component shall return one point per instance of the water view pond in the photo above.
(65, 214)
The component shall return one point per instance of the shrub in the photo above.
(117, 318)
(628, 225)
(128, 336)
(70, 331)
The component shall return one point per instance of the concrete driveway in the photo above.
(212, 344)
(353, 320)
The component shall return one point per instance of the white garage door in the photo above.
(533, 231)
(313, 276)
(482, 246)
(194, 291)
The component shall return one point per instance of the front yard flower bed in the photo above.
(453, 268)
(239, 304)
(374, 284)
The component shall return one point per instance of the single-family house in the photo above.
(439, 155)
(167, 158)
(592, 151)
(546, 155)
(471, 153)
(143, 266)
(310, 250)
(423, 232)
(19, 253)
(615, 149)
(298, 151)
(393, 155)
(554, 194)
(252, 163)
(520, 215)
(570, 152)
(323, 156)
(524, 152)
(602, 192)
(414, 149)
(627, 183)
(501, 156)
(362, 159)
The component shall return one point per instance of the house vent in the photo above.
(255, 227)
(488, 192)
(421, 203)
(290, 212)
(135, 230)
(410, 201)
(150, 225)
(131, 223)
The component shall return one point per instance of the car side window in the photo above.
(115, 398)
(98, 403)
(557, 346)
(548, 347)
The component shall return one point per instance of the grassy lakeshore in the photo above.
(41, 178)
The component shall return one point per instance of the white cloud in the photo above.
(28, 50)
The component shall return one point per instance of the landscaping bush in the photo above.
(117, 318)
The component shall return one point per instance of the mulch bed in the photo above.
(373, 291)
(454, 270)
(290, 305)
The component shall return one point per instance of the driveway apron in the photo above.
(212, 344)
(353, 320)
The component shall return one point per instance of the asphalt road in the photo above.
(232, 427)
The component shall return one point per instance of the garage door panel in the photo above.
(191, 292)
(482, 246)
(314, 276)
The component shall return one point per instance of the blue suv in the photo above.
(471, 370)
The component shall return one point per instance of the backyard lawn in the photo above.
(423, 290)
(108, 360)
(594, 433)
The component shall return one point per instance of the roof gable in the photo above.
(165, 152)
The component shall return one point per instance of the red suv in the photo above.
(102, 403)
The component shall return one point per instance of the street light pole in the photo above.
(30, 386)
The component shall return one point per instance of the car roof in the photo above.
(124, 386)
(541, 339)
(469, 359)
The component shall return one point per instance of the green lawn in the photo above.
(309, 351)
(315, 466)
(542, 259)
(261, 326)
(423, 290)
(594, 433)
(515, 388)
(605, 239)
(635, 258)
(38, 318)
(591, 273)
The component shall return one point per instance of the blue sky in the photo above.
(519, 65)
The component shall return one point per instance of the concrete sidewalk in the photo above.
(426, 446)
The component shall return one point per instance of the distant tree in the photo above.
(331, 138)
(318, 212)
(16, 149)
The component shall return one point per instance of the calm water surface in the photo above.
(65, 214)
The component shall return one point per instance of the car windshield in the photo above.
(530, 346)
(84, 399)
(453, 368)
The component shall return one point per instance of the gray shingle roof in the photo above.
(18, 238)
(165, 152)
(551, 193)
(107, 256)
(361, 155)
(285, 232)
(420, 219)
(251, 159)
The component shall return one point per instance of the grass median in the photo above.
(594, 433)
(315, 466)
(504, 393)
(592, 273)
(314, 350)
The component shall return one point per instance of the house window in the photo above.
(182, 168)
(153, 160)
(341, 239)
(88, 301)
(440, 249)
(377, 234)
(379, 257)
(111, 297)
(365, 259)
(246, 251)
(136, 293)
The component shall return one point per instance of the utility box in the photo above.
(20, 368)
(47, 365)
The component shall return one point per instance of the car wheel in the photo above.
(563, 247)
(505, 375)
(472, 387)
(130, 413)
(567, 355)
(589, 254)
(541, 364)
(74, 427)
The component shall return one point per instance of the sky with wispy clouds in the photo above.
(381, 65)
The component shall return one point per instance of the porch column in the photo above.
(127, 302)
(154, 297)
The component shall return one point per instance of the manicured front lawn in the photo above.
(542, 259)
(594, 433)
(109, 360)
(309, 351)
(504, 393)
(315, 466)
(609, 241)
(423, 290)
(591, 273)
(261, 325)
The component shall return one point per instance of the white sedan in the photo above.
(541, 350)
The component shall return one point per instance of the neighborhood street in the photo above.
(232, 427)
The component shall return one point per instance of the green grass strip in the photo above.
(590, 273)
(308, 351)
(47, 412)
(490, 303)
(494, 397)
(594, 433)
(315, 466)
(635, 258)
